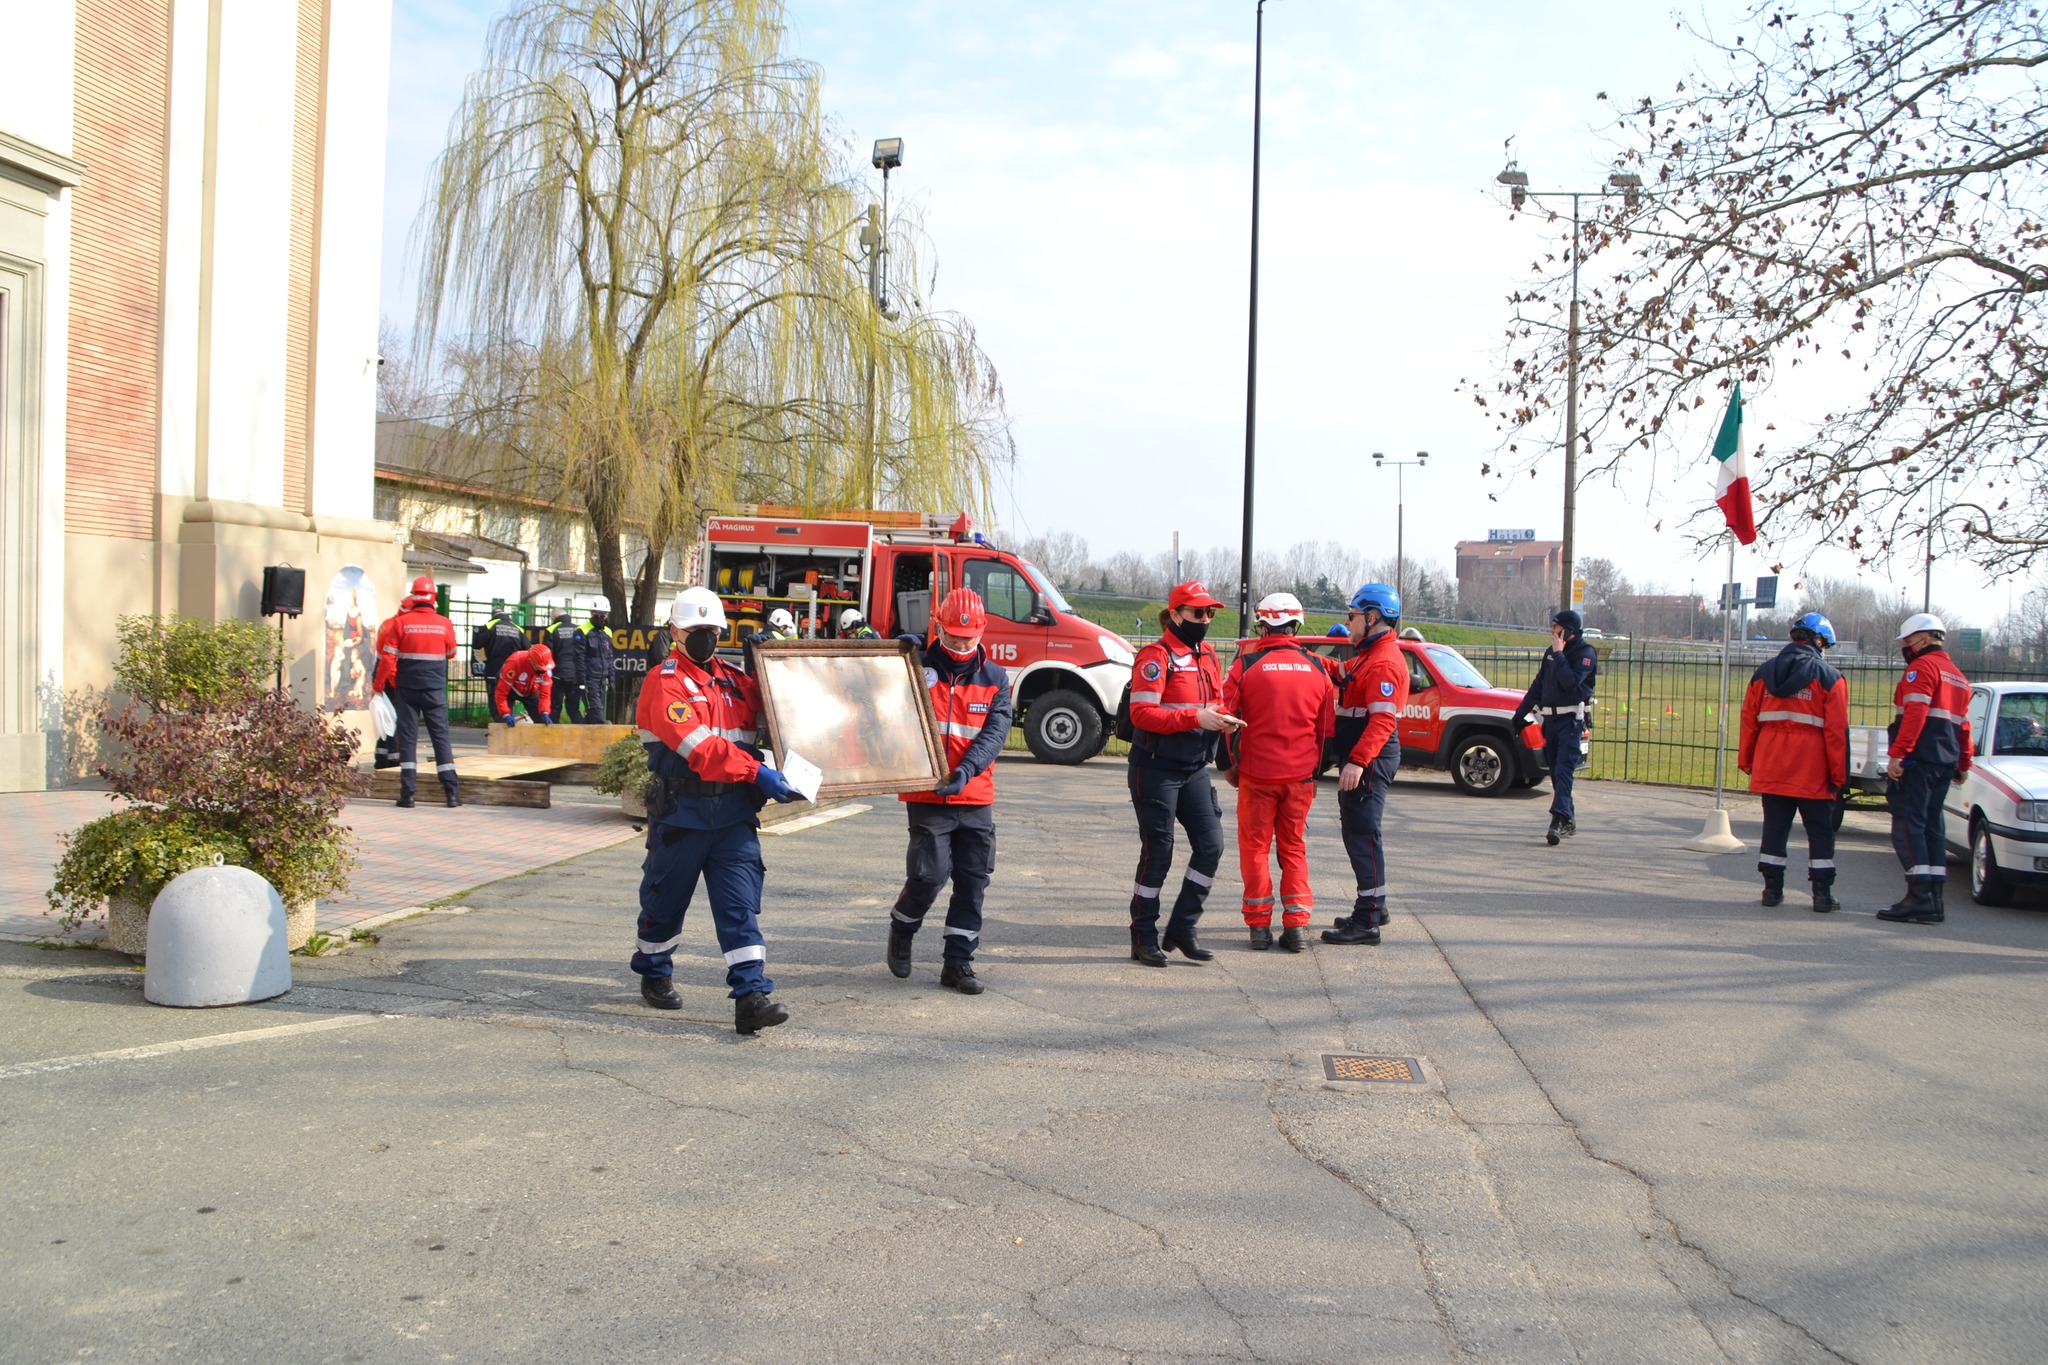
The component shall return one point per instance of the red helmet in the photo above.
(423, 586)
(962, 615)
(540, 656)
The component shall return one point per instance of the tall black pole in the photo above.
(1571, 421)
(1251, 357)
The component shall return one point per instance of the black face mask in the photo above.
(700, 645)
(1189, 633)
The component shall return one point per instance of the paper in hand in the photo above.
(802, 774)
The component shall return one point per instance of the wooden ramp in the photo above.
(487, 780)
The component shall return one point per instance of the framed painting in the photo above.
(858, 709)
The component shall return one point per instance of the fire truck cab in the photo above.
(1066, 673)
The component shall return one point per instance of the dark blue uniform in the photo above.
(1562, 698)
(598, 653)
(568, 644)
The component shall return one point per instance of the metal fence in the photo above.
(468, 703)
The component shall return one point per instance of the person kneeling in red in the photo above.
(1287, 702)
(529, 679)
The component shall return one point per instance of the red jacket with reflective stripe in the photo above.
(1170, 684)
(522, 679)
(972, 703)
(1375, 689)
(702, 714)
(1287, 701)
(1795, 727)
(1932, 700)
(414, 648)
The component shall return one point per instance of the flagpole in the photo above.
(1727, 620)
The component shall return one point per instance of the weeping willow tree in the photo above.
(640, 251)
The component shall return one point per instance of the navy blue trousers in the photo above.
(1918, 832)
(568, 702)
(948, 842)
(1561, 753)
(1819, 818)
(593, 701)
(1359, 812)
(413, 705)
(729, 861)
(1162, 797)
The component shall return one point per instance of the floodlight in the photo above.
(888, 153)
(1630, 185)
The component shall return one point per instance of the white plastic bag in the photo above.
(383, 715)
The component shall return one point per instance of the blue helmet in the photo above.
(1380, 597)
(1340, 631)
(1816, 625)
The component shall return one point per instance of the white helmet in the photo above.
(695, 607)
(1920, 621)
(780, 619)
(849, 618)
(1278, 608)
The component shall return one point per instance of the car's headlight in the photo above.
(2034, 812)
(1115, 650)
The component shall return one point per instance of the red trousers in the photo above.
(1269, 813)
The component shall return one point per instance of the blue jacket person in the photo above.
(1562, 698)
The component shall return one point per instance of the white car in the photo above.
(1999, 813)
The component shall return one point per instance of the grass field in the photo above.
(1136, 616)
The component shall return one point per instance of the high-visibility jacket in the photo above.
(700, 722)
(1373, 690)
(1932, 701)
(1287, 700)
(1795, 727)
(1170, 684)
(413, 649)
(971, 698)
(520, 678)
(497, 640)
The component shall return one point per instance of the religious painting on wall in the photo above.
(857, 709)
(349, 654)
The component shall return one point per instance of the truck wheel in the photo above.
(1841, 809)
(1063, 727)
(1988, 884)
(1482, 766)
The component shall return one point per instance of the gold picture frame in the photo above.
(858, 709)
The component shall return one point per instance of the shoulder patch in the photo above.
(1151, 670)
(669, 667)
(1911, 674)
(1386, 689)
(679, 712)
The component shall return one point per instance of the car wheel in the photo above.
(1988, 885)
(1482, 766)
(1063, 727)
(1841, 809)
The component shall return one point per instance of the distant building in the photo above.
(1487, 566)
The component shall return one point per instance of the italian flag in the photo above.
(1731, 484)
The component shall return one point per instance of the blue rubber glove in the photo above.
(505, 719)
(546, 719)
(775, 784)
(954, 785)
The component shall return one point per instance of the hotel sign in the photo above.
(1511, 537)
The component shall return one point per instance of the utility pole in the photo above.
(1251, 358)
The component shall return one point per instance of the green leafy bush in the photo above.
(186, 665)
(133, 852)
(622, 766)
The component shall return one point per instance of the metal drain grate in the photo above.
(1341, 1066)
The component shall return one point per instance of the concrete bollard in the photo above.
(216, 937)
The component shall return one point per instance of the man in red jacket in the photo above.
(529, 679)
(1285, 698)
(1930, 748)
(1795, 748)
(953, 829)
(413, 650)
(1374, 690)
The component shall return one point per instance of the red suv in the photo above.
(1455, 718)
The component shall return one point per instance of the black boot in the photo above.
(1145, 943)
(755, 1011)
(1180, 936)
(1939, 887)
(1290, 938)
(405, 800)
(900, 935)
(960, 976)
(1555, 832)
(1568, 828)
(1354, 930)
(454, 800)
(1774, 890)
(660, 992)
(1262, 937)
(1917, 907)
(1824, 902)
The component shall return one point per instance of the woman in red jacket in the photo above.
(1795, 748)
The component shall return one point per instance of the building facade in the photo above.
(191, 195)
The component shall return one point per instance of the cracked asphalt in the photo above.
(1657, 1122)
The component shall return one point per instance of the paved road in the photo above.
(1659, 1123)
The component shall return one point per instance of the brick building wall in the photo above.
(120, 133)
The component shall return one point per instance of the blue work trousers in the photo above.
(413, 705)
(948, 842)
(568, 702)
(593, 703)
(1162, 797)
(1919, 836)
(1819, 819)
(1561, 755)
(1359, 812)
(729, 861)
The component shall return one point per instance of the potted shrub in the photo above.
(622, 769)
(210, 762)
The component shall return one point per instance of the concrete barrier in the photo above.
(217, 936)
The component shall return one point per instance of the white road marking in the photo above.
(803, 822)
(129, 1054)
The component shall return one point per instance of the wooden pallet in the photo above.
(487, 780)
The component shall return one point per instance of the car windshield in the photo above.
(2022, 724)
(1044, 585)
(1455, 669)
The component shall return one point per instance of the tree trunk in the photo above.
(647, 585)
(611, 560)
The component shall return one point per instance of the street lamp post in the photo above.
(874, 238)
(1927, 539)
(1380, 461)
(1251, 356)
(1630, 187)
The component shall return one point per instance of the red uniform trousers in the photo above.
(1270, 813)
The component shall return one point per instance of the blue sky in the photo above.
(1083, 175)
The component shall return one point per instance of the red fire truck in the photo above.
(1066, 673)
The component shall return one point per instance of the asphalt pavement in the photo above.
(1654, 1121)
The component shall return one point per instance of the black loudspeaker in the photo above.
(284, 590)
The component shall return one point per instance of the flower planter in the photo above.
(631, 803)
(128, 924)
(298, 924)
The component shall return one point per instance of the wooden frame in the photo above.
(859, 709)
